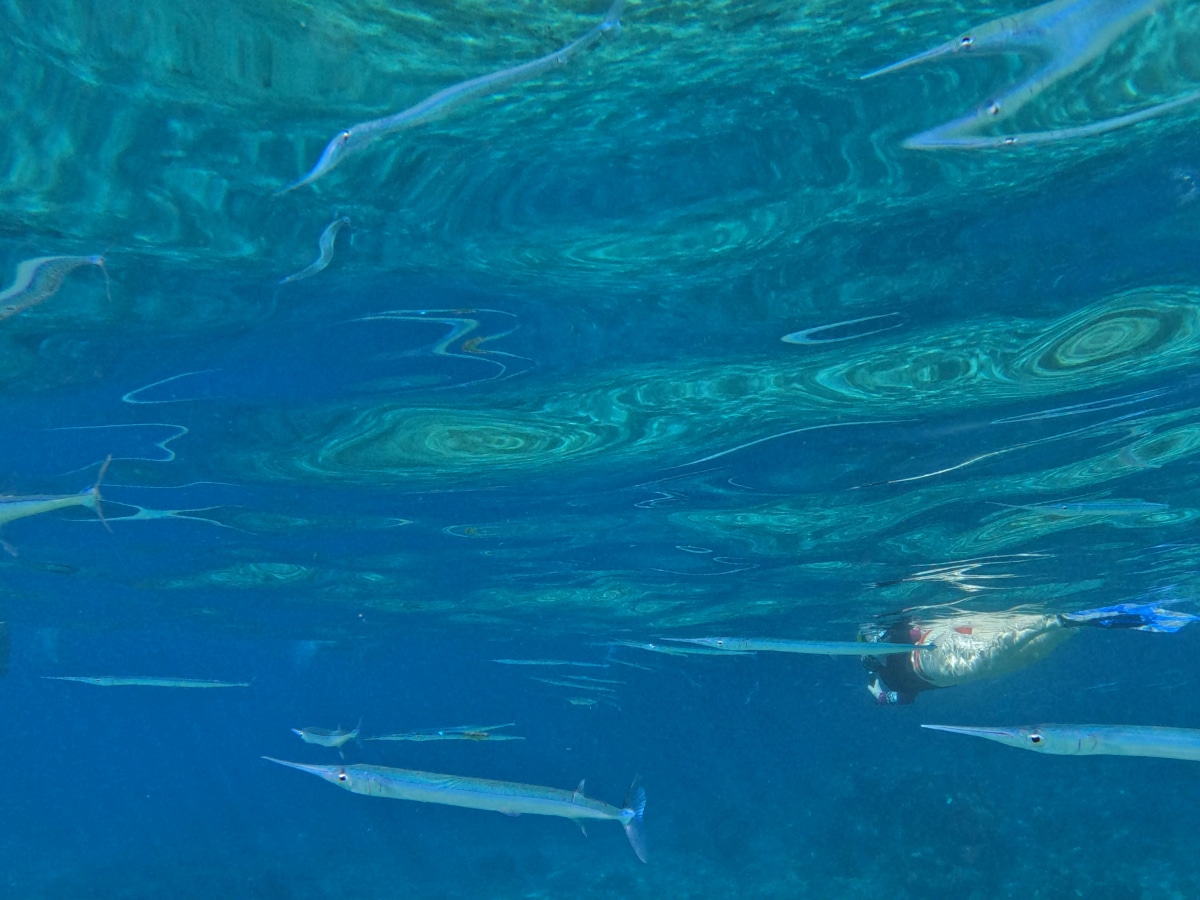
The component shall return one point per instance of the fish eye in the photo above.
(344, 136)
(720, 643)
(966, 41)
(993, 108)
(342, 776)
(1035, 738)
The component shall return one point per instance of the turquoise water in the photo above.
(688, 331)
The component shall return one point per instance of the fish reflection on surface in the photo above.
(1065, 35)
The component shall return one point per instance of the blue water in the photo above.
(675, 339)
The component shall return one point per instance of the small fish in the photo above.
(1114, 507)
(455, 733)
(447, 736)
(632, 665)
(810, 335)
(589, 702)
(550, 662)
(1091, 740)
(14, 507)
(588, 678)
(508, 797)
(364, 134)
(41, 277)
(146, 681)
(562, 682)
(326, 737)
(328, 237)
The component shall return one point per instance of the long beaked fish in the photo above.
(817, 648)
(589, 678)
(583, 686)
(1064, 35)
(508, 797)
(550, 662)
(326, 737)
(940, 139)
(357, 137)
(325, 248)
(1091, 740)
(146, 681)
(453, 733)
(476, 736)
(22, 507)
(1073, 509)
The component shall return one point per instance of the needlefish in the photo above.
(1091, 740)
(145, 681)
(1064, 35)
(818, 648)
(362, 135)
(454, 733)
(508, 797)
(22, 507)
(325, 256)
(1079, 508)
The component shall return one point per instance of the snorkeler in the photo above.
(970, 646)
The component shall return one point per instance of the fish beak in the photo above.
(941, 50)
(321, 771)
(1010, 736)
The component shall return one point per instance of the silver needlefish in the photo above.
(1115, 506)
(1063, 36)
(550, 662)
(508, 797)
(454, 733)
(325, 254)
(357, 137)
(562, 682)
(146, 681)
(1091, 740)
(817, 648)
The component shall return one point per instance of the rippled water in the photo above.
(694, 333)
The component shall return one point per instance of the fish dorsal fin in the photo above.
(578, 793)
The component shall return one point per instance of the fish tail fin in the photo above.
(1139, 616)
(99, 260)
(612, 18)
(634, 828)
(94, 494)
